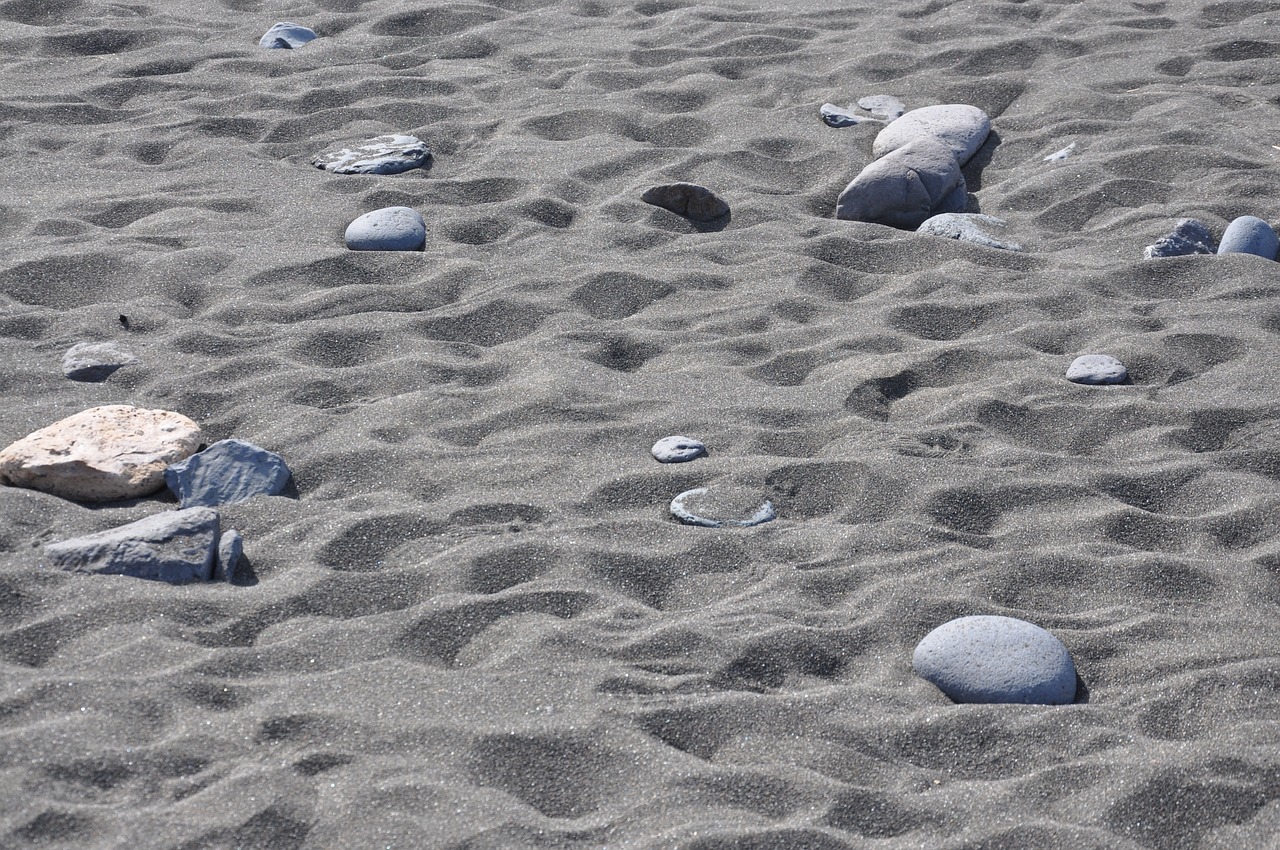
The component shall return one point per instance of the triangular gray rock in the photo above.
(390, 154)
(175, 546)
(227, 472)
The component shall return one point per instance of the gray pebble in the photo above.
(227, 472)
(1249, 235)
(94, 361)
(174, 546)
(678, 449)
(988, 659)
(286, 36)
(1097, 369)
(687, 199)
(388, 229)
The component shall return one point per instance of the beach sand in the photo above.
(472, 622)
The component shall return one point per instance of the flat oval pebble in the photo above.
(101, 454)
(1250, 235)
(678, 449)
(960, 127)
(387, 229)
(1097, 369)
(989, 659)
(286, 36)
(687, 199)
(721, 507)
(391, 154)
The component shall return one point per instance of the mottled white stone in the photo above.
(388, 229)
(678, 449)
(101, 454)
(1097, 369)
(286, 36)
(390, 154)
(990, 659)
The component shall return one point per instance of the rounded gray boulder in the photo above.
(992, 659)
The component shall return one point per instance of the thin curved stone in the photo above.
(286, 36)
(390, 154)
(687, 199)
(885, 107)
(967, 227)
(681, 511)
(1058, 156)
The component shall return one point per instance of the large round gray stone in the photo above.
(990, 659)
(1249, 234)
(388, 229)
(960, 127)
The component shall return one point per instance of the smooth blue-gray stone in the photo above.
(962, 128)
(906, 186)
(286, 36)
(94, 361)
(227, 472)
(1097, 369)
(989, 659)
(387, 229)
(1249, 234)
(1189, 236)
(677, 449)
(174, 546)
(230, 548)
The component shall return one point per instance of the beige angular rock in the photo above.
(101, 454)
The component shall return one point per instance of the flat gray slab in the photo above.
(227, 472)
(175, 546)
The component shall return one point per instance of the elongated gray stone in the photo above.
(174, 546)
(94, 361)
(388, 229)
(967, 227)
(227, 472)
(390, 154)
(230, 550)
(1249, 235)
(286, 36)
(1097, 369)
(687, 199)
(990, 659)
(906, 187)
(962, 128)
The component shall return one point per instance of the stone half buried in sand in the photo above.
(967, 227)
(391, 154)
(722, 507)
(989, 659)
(1189, 236)
(962, 128)
(678, 449)
(1249, 235)
(906, 187)
(94, 361)
(174, 546)
(101, 454)
(388, 229)
(286, 36)
(1097, 369)
(687, 199)
(227, 472)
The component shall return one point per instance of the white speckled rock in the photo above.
(388, 229)
(101, 454)
(1249, 234)
(1097, 369)
(94, 361)
(961, 128)
(988, 659)
(382, 155)
(286, 36)
(678, 449)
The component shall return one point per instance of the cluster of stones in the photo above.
(119, 452)
(1245, 235)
